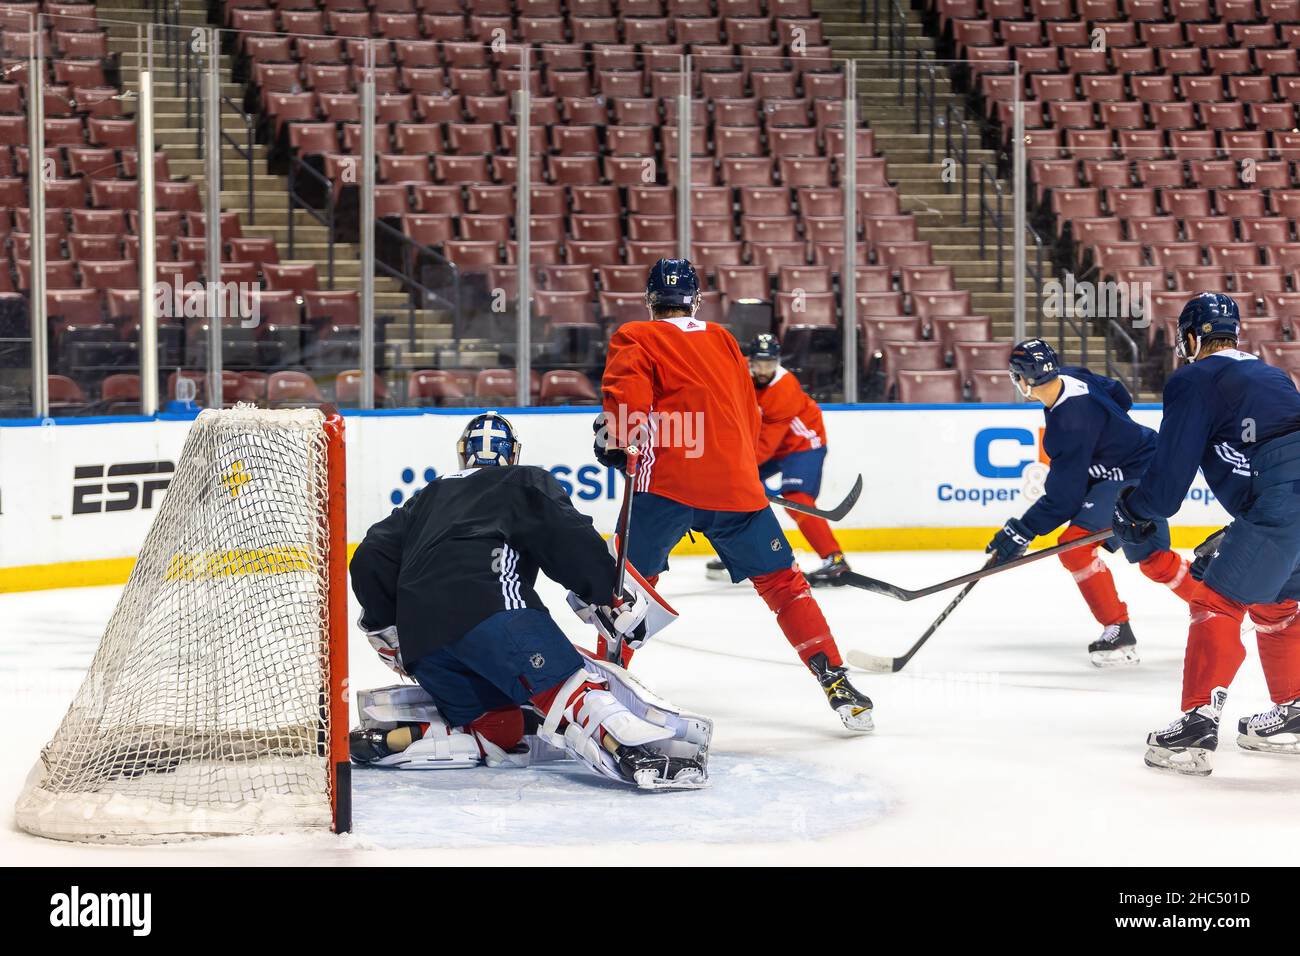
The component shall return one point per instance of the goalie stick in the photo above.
(853, 579)
(835, 514)
(614, 651)
(892, 665)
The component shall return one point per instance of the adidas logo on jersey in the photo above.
(1239, 462)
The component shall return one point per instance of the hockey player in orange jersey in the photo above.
(792, 444)
(679, 389)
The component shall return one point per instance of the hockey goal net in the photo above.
(216, 703)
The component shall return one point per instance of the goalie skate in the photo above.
(1274, 731)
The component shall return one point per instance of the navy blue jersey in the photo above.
(469, 545)
(1089, 438)
(1218, 411)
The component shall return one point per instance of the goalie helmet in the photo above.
(488, 439)
(672, 284)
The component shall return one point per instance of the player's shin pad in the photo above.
(442, 747)
(632, 716)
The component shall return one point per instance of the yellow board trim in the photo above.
(74, 574)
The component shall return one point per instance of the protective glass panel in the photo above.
(606, 134)
(81, 73)
(938, 220)
(767, 209)
(446, 301)
(24, 52)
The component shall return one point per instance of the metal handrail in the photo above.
(895, 36)
(988, 177)
(245, 152)
(296, 165)
(919, 94)
(411, 249)
(956, 116)
(1115, 330)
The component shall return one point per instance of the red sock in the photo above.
(544, 700)
(602, 651)
(1093, 578)
(817, 530)
(1214, 650)
(787, 593)
(1277, 630)
(1171, 570)
(504, 726)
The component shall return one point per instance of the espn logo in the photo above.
(121, 487)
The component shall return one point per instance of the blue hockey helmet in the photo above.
(1035, 362)
(672, 284)
(1211, 315)
(488, 439)
(765, 346)
(764, 359)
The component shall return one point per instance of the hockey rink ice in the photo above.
(999, 744)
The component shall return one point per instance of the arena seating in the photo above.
(766, 149)
(1164, 154)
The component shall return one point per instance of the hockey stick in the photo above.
(614, 651)
(835, 514)
(892, 665)
(853, 579)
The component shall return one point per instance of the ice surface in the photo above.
(998, 744)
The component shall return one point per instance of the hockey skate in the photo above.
(1188, 744)
(650, 770)
(853, 706)
(375, 745)
(830, 572)
(715, 570)
(1274, 731)
(1116, 646)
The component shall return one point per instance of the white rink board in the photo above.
(924, 467)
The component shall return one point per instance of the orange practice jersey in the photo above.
(791, 420)
(688, 380)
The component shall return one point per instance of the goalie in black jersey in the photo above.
(446, 586)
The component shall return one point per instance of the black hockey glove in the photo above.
(609, 457)
(1206, 552)
(1130, 527)
(1011, 542)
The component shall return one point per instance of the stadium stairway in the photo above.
(919, 180)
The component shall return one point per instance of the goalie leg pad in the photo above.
(691, 733)
(590, 720)
(395, 709)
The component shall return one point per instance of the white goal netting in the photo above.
(205, 708)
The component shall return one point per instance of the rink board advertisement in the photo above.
(77, 499)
